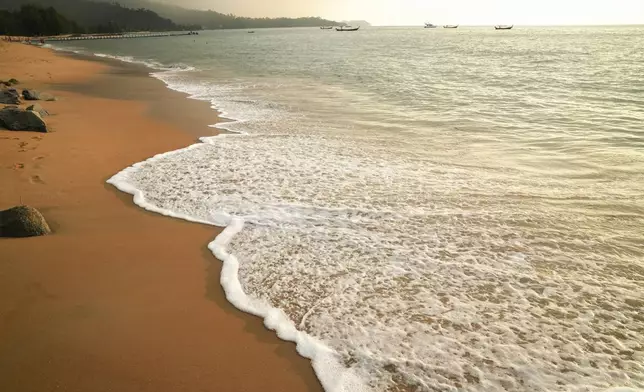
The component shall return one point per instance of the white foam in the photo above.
(155, 65)
(152, 64)
(64, 49)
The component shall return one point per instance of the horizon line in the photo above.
(521, 24)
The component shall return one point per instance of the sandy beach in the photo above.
(116, 299)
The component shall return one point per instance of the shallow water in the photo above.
(439, 210)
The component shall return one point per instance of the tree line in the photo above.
(31, 20)
(216, 20)
(80, 17)
(132, 15)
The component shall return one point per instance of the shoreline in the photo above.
(99, 305)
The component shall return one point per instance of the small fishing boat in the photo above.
(347, 28)
(251, 32)
(430, 26)
(326, 27)
(450, 27)
(501, 27)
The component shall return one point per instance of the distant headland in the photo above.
(136, 15)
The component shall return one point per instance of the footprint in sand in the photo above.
(38, 161)
(23, 147)
(36, 180)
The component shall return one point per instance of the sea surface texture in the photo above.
(444, 210)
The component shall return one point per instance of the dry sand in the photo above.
(117, 299)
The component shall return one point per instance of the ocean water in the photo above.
(420, 210)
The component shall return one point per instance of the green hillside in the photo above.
(216, 20)
(148, 15)
(93, 17)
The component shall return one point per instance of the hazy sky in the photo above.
(415, 12)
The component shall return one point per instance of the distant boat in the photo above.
(326, 27)
(251, 32)
(502, 27)
(450, 27)
(347, 28)
(430, 26)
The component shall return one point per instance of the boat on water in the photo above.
(430, 26)
(347, 28)
(502, 27)
(251, 32)
(450, 27)
(326, 27)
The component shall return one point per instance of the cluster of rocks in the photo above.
(15, 118)
(22, 221)
(11, 96)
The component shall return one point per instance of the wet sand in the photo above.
(117, 299)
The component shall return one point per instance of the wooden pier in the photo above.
(114, 36)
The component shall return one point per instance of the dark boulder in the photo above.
(9, 97)
(34, 95)
(30, 95)
(22, 221)
(38, 109)
(16, 119)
